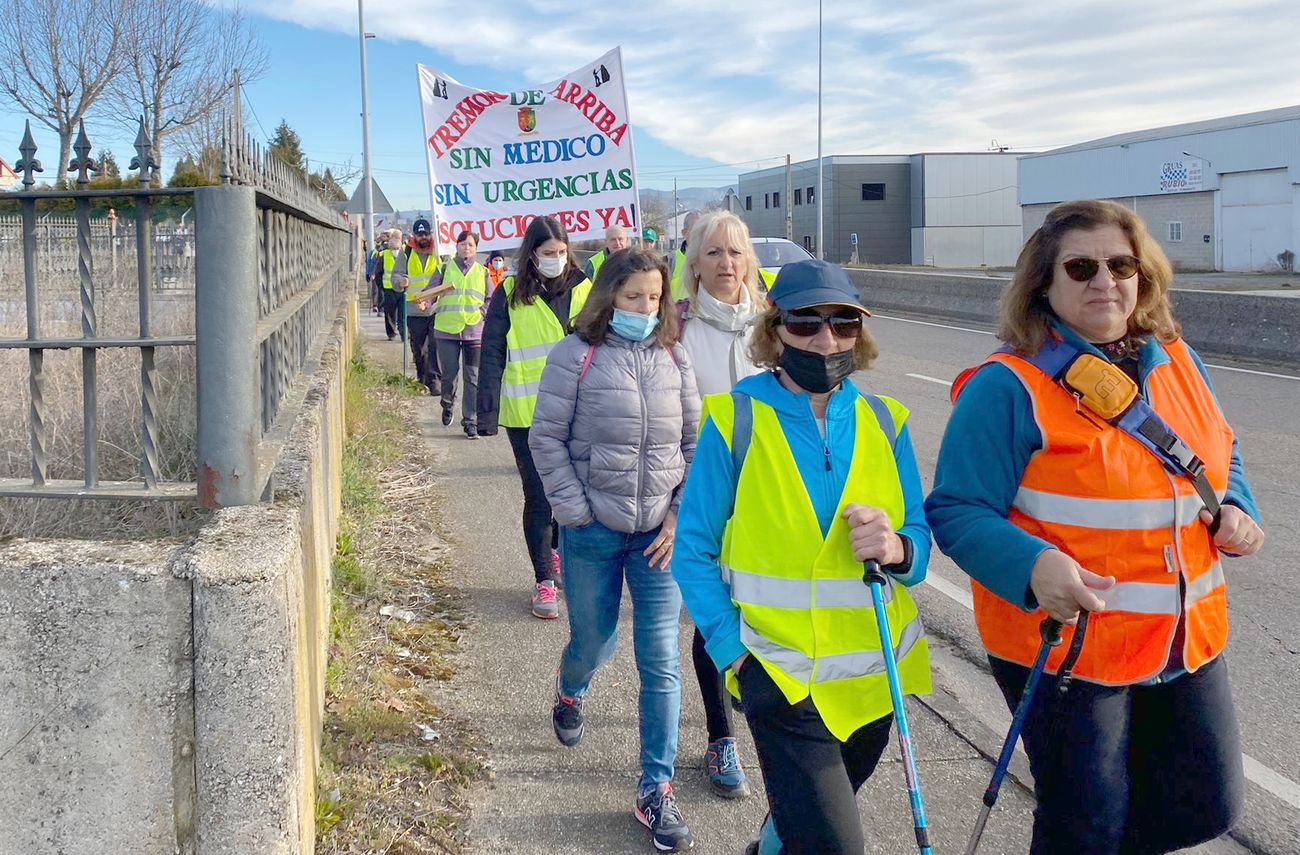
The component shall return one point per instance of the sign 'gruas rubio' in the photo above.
(497, 160)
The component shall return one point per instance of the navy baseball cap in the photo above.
(814, 283)
(421, 227)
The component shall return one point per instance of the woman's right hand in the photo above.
(1062, 587)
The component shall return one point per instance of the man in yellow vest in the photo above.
(679, 260)
(615, 239)
(419, 266)
(797, 479)
(391, 289)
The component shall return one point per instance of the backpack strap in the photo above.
(586, 362)
(883, 415)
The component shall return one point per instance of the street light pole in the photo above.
(821, 178)
(365, 133)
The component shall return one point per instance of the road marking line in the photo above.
(1274, 782)
(930, 379)
(986, 332)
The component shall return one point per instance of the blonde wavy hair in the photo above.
(734, 233)
(1024, 311)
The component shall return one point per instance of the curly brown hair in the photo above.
(592, 324)
(1024, 311)
(765, 347)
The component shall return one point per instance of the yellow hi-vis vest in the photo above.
(418, 273)
(596, 261)
(463, 305)
(805, 614)
(534, 330)
(679, 267)
(389, 258)
(766, 278)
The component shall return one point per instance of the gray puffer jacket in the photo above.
(616, 446)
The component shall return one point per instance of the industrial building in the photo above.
(939, 209)
(1218, 195)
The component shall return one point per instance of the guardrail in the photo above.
(1217, 323)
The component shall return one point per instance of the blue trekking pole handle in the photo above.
(1050, 630)
(875, 579)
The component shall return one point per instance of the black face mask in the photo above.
(814, 371)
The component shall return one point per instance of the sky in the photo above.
(715, 89)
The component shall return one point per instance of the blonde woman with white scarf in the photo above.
(721, 277)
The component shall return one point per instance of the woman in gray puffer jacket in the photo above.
(613, 433)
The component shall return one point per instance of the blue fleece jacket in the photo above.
(709, 498)
(989, 440)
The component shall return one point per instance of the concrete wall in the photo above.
(1265, 329)
(164, 698)
(1194, 210)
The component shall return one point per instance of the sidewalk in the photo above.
(546, 798)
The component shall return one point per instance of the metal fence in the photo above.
(268, 262)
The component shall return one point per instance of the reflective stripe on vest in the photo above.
(462, 306)
(534, 330)
(1108, 502)
(419, 272)
(679, 267)
(806, 616)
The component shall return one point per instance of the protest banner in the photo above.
(499, 159)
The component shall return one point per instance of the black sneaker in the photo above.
(566, 718)
(446, 416)
(471, 432)
(658, 811)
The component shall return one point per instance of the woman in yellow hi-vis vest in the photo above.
(527, 316)
(458, 329)
(797, 479)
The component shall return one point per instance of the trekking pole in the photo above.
(875, 579)
(1050, 630)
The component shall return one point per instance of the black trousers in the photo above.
(393, 312)
(1123, 770)
(812, 778)
(424, 352)
(713, 691)
(541, 535)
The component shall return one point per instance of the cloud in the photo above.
(738, 84)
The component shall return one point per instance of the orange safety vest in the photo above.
(1095, 493)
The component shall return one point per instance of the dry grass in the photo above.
(395, 768)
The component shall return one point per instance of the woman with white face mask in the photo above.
(528, 315)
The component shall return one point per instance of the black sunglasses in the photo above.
(846, 324)
(1083, 269)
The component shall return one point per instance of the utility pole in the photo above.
(365, 135)
(239, 111)
(821, 177)
(789, 201)
(674, 246)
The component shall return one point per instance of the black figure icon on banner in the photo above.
(601, 74)
(440, 88)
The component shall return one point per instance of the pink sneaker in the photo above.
(543, 601)
(555, 569)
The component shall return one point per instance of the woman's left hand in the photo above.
(871, 535)
(660, 549)
(1238, 533)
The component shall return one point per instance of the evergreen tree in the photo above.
(286, 146)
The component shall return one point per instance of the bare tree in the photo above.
(179, 59)
(57, 58)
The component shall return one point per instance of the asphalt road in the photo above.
(917, 361)
(546, 798)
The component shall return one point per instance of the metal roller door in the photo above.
(1256, 219)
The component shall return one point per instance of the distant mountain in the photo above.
(690, 197)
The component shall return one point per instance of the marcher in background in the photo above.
(392, 293)
(374, 271)
(458, 330)
(527, 316)
(615, 427)
(679, 258)
(720, 275)
(496, 269)
(1052, 510)
(798, 478)
(420, 269)
(615, 239)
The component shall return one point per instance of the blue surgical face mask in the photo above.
(633, 326)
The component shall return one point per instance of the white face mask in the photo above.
(551, 267)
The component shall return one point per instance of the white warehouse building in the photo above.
(1218, 195)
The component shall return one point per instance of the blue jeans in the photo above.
(595, 561)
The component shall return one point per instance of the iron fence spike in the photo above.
(27, 164)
